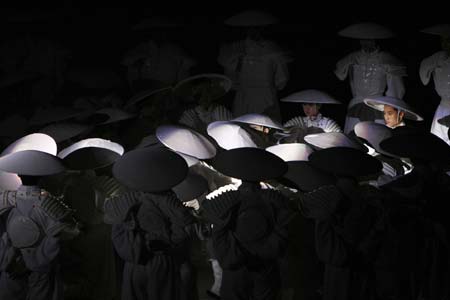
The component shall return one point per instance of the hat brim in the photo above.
(250, 164)
(421, 146)
(343, 161)
(150, 170)
(310, 96)
(32, 163)
(186, 141)
(379, 104)
(212, 86)
(303, 176)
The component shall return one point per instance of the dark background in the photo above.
(99, 33)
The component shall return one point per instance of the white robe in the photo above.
(258, 70)
(438, 66)
(371, 74)
(327, 124)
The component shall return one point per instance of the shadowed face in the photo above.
(368, 45)
(392, 117)
(311, 109)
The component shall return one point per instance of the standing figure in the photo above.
(371, 72)
(38, 221)
(438, 66)
(257, 66)
(159, 61)
(150, 224)
(249, 225)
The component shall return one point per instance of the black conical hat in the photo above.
(150, 169)
(344, 161)
(251, 164)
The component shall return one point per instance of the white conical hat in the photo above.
(251, 18)
(379, 102)
(439, 29)
(31, 162)
(64, 131)
(291, 152)
(35, 141)
(374, 133)
(365, 31)
(186, 141)
(229, 135)
(310, 96)
(333, 139)
(258, 119)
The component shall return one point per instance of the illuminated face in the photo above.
(311, 110)
(392, 117)
(260, 128)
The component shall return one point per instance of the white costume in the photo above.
(438, 66)
(258, 69)
(327, 124)
(371, 74)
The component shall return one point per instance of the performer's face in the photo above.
(311, 109)
(392, 117)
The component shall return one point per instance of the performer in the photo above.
(371, 72)
(438, 66)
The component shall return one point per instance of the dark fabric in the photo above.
(250, 261)
(151, 241)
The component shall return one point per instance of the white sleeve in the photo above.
(332, 126)
(343, 66)
(427, 66)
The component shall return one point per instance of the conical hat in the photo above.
(149, 96)
(373, 133)
(365, 31)
(150, 170)
(258, 119)
(310, 96)
(35, 141)
(344, 161)
(424, 146)
(439, 29)
(333, 139)
(302, 175)
(64, 131)
(379, 102)
(211, 86)
(31, 162)
(229, 135)
(90, 154)
(251, 164)
(186, 141)
(251, 18)
(291, 152)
